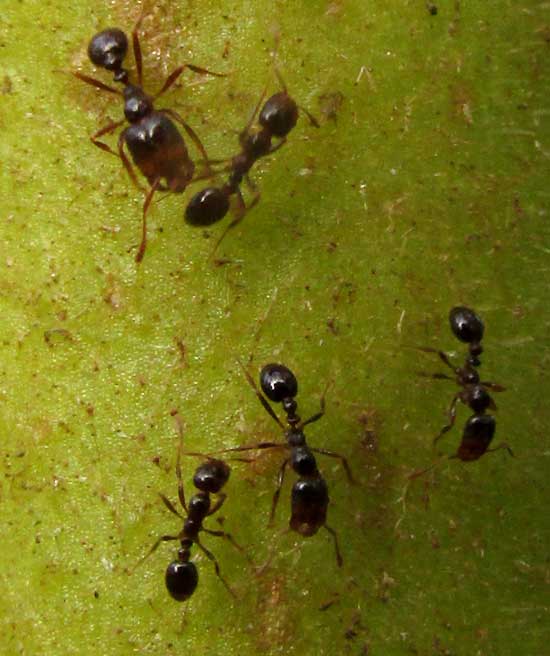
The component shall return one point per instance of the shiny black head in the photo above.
(137, 104)
(467, 326)
(309, 502)
(211, 476)
(207, 207)
(108, 49)
(278, 382)
(279, 114)
(181, 579)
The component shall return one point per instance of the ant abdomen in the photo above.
(108, 48)
(207, 207)
(309, 503)
(478, 433)
(181, 579)
(278, 382)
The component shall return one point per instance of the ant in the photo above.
(309, 497)
(479, 429)
(182, 577)
(276, 119)
(155, 144)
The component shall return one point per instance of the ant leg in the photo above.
(345, 464)
(211, 557)
(435, 376)
(256, 447)
(504, 445)
(166, 501)
(245, 131)
(443, 356)
(179, 70)
(339, 558)
(219, 503)
(452, 418)
(106, 130)
(226, 536)
(137, 48)
(310, 117)
(192, 134)
(261, 397)
(321, 412)
(95, 83)
(127, 164)
(241, 213)
(280, 480)
(493, 386)
(181, 492)
(163, 538)
(146, 204)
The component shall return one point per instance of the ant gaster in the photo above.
(479, 429)
(155, 144)
(276, 119)
(309, 497)
(181, 575)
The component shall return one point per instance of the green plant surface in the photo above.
(426, 186)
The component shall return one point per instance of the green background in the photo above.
(425, 187)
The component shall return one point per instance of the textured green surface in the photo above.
(426, 186)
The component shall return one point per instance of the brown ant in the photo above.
(276, 119)
(155, 144)
(181, 577)
(309, 497)
(479, 430)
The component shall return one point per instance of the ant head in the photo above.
(479, 399)
(137, 104)
(181, 579)
(211, 476)
(466, 325)
(108, 49)
(207, 207)
(199, 505)
(278, 382)
(303, 461)
(279, 114)
(309, 505)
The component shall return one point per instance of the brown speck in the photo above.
(7, 86)
(432, 9)
(331, 324)
(330, 104)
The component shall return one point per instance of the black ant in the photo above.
(155, 144)
(276, 119)
(479, 430)
(309, 497)
(210, 477)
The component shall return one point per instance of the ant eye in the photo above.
(466, 325)
(278, 382)
(108, 49)
(207, 207)
(181, 580)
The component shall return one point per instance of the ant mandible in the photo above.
(155, 144)
(277, 118)
(309, 497)
(181, 577)
(479, 429)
